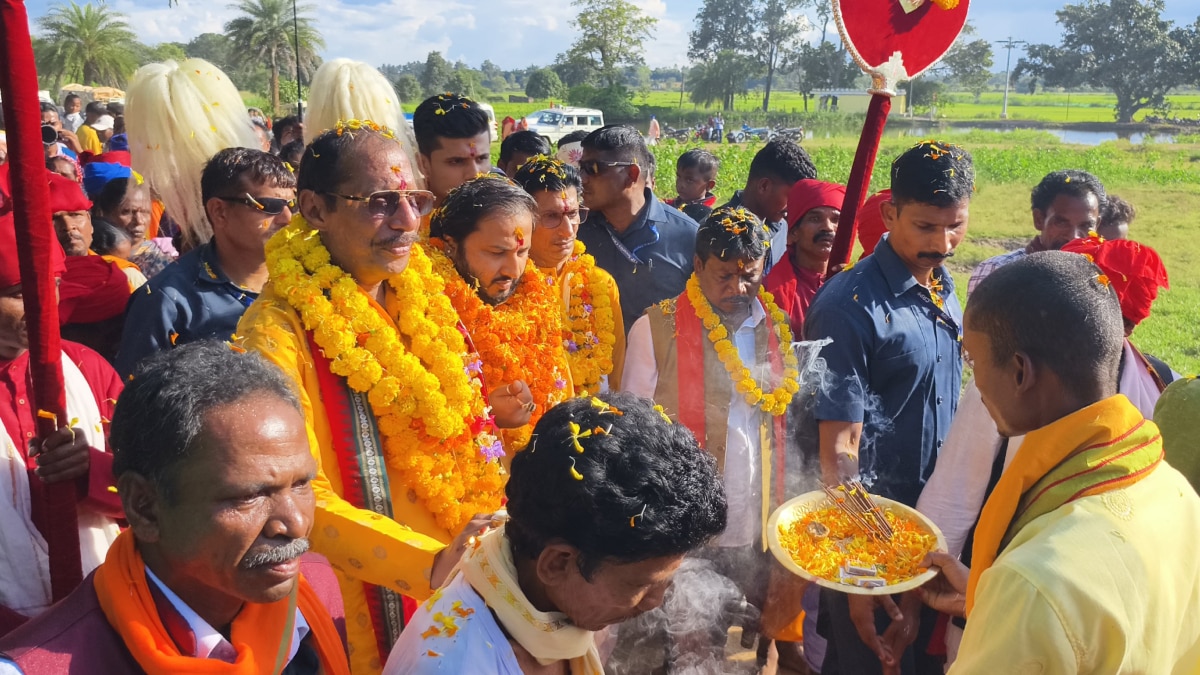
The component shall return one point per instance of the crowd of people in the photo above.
(344, 397)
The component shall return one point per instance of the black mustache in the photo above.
(824, 236)
(275, 554)
(936, 256)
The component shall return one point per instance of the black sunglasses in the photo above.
(271, 206)
(385, 203)
(595, 168)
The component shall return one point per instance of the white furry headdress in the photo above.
(179, 115)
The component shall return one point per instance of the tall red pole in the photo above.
(35, 238)
(860, 178)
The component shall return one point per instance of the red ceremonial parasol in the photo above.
(35, 237)
(892, 41)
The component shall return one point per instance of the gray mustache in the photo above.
(275, 555)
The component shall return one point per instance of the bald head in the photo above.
(1059, 311)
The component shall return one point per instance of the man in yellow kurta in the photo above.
(483, 229)
(1085, 557)
(594, 332)
(402, 429)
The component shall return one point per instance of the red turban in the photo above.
(93, 289)
(1135, 271)
(809, 194)
(66, 194)
(870, 222)
(10, 269)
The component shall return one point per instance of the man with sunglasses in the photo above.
(644, 244)
(248, 196)
(388, 517)
(591, 302)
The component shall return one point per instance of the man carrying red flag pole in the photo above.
(52, 464)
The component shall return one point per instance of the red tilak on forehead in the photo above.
(399, 172)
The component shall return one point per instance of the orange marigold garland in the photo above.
(518, 340)
(430, 410)
(590, 330)
(774, 402)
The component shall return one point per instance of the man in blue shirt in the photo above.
(773, 171)
(248, 196)
(644, 244)
(896, 367)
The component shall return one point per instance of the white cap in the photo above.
(105, 123)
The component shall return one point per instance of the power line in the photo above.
(1008, 44)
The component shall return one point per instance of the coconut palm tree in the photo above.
(90, 43)
(265, 33)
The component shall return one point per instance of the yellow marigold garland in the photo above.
(430, 411)
(518, 340)
(590, 334)
(775, 402)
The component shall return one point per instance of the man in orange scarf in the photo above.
(1082, 560)
(214, 472)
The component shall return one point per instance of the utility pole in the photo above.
(1008, 44)
(299, 88)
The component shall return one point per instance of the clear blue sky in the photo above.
(516, 33)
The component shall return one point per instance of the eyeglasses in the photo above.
(385, 203)
(270, 206)
(595, 167)
(551, 221)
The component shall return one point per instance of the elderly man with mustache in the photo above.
(814, 208)
(215, 475)
(895, 370)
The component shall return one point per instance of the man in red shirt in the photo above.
(28, 463)
(813, 209)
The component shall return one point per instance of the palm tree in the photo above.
(266, 32)
(89, 43)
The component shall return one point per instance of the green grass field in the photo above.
(1045, 107)
(1162, 181)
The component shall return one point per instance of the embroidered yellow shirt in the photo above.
(361, 545)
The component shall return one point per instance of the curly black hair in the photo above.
(1071, 182)
(546, 173)
(642, 488)
(935, 173)
(732, 234)
(782, 160)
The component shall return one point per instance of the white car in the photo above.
(554, 123)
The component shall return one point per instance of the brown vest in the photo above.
(718, 390)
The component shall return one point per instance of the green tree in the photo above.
(721, 25)
(264, 33)
(91, 43)
(780, 26)
(212, 47)
(436, 74)
(721, 79)
(822, 66)
(544, 84)
(466, 82)
(408, 88)
(164, 51)
(1122, 45)
(493, 77)
(969, 62)
(574, 70)
(612, 35)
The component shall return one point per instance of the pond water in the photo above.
(1075, 136)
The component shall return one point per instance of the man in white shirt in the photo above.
(213, 468)
(603, 510)
(717, 359)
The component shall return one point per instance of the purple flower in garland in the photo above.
(587, 308)
(494, 451)
(572, 346)
(474, 367)
(560, 383)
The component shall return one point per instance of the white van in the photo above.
(491, 113)
(554, 123)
